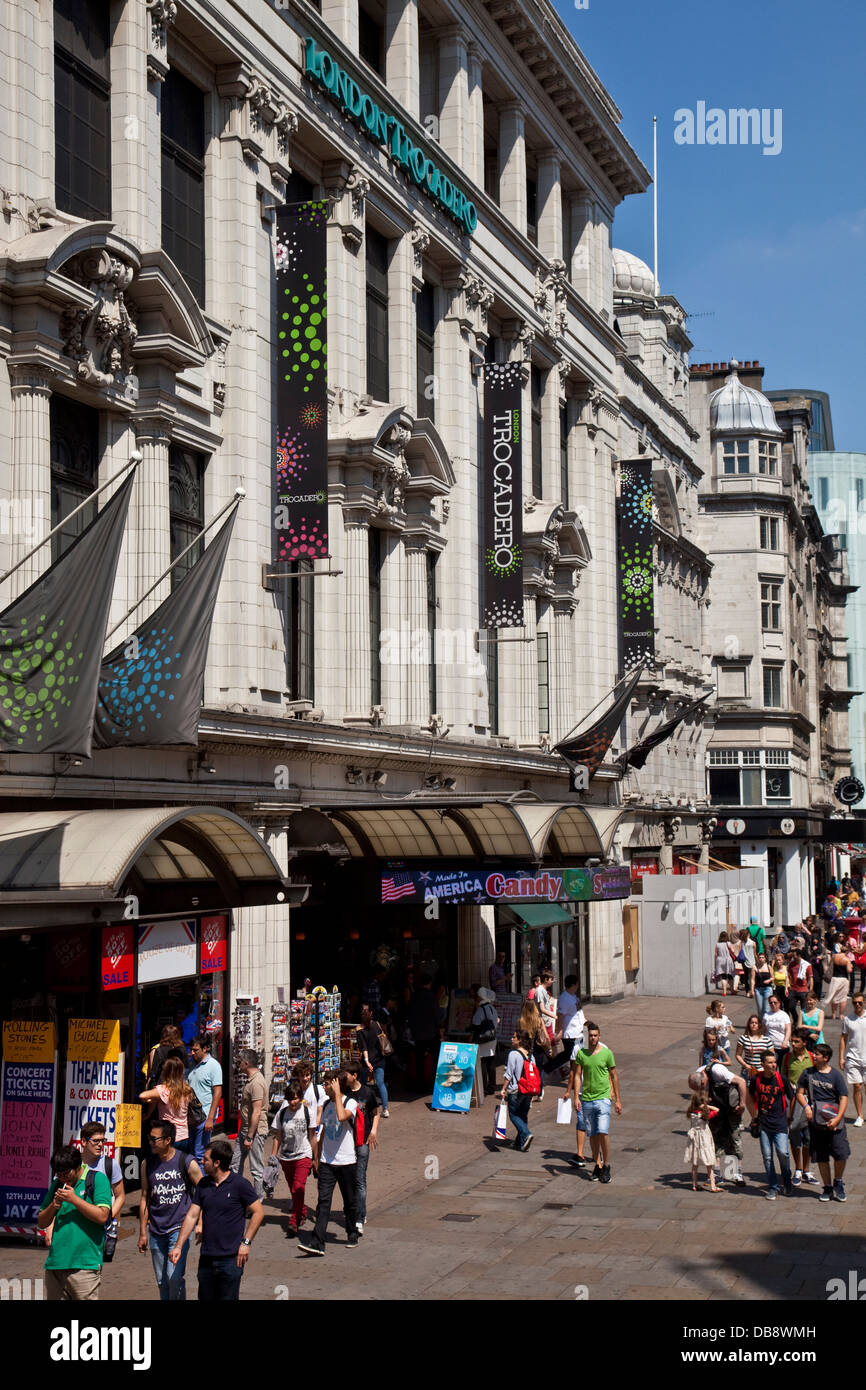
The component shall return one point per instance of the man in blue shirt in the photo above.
(226, 1203)
(206, 1078)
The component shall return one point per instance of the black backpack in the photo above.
(109, 1242)
(724, 1093)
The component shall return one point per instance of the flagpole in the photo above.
(596, 706)
(240, 494)
(134, 459)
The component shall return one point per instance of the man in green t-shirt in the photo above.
(73, 1270)
(594, 1082)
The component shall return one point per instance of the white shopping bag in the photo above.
(500, 1123)
(563, 1111)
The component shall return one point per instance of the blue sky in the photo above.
(773, 246)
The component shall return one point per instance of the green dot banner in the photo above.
(636, 605)
(301, 443)
(502, 529)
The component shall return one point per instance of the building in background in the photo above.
(820, 419)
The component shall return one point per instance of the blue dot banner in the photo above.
(636, 564)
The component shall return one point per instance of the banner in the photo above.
(636, 609)
(26, 1128)
(455, 1072)
(637, 755)
(502, 492)
(118, 956)
(93, 1092)
(585, 753)
(214, 936)
(301, 473)
(484, 885)
(51, 641)
(150, 686)
(166, 951)
(67, 962)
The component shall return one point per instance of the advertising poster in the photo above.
(505, 885)
(455, 1072)
(27, 1083)
(213, 945)
(502, 532)
(636, 604)
(118, 956)
(166, 951)
(508, 1007)
(94, 1078)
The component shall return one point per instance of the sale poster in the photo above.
(213, 945)
(118, 956)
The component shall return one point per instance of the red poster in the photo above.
(643, 864)
(213, 945)
(68, 962)
(118, 949)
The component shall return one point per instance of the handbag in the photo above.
(385, 1045)
(194, 1112)
(485, 1032)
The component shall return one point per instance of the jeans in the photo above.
(362, 1158)
(256, 1154)
(169, 1278)
(762, 999)
(219, 1279)
(379, 1078)
(562, 1058)
(518, 1110)
(331, 1176)
(779, 1143)
(200, 1141)
(184, 1146)
(296, 1172)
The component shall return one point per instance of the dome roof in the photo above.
(737, 407)
(631, 275)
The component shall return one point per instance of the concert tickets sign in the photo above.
(301, 493)
(502, 597)
(476, 885)
(636, 610)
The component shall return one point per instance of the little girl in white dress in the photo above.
(700, 1148)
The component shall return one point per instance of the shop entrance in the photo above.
(194, 1005)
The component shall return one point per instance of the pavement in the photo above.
(452, 1215)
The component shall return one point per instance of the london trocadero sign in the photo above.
(388, 132)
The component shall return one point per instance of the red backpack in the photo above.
(530, 1082)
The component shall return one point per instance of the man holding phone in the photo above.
(73, 1270)
(335, 1163)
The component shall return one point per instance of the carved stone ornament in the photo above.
(101, 339)
(549, 297)
(161, 13)
(392, 487)
(358, 185)
(420, 241)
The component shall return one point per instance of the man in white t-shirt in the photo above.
(569, 1026)
(852, 1053)
(335, 1163)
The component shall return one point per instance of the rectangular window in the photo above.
(74, 431)
(859, 491)
(751, 757)
(777, 757)
(778, 784)
(491, 661)
(769, 533)
(768, 458)
(82, 108)
(183, 148)
(299, 614)
(377, 315)
(541, 647)
(374, 541)
(771, 607)
(772, 687)
(736, 456)
(732, 682)
(752, 787)
(824, 491)
(425, 338)
(563, 456)
(536, 390)
(185, 507)
(724, 757)
(432, 557)
(370, 45)
(724, 786)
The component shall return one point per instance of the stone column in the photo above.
(342, 17)
(550, 403)
(512, 163)
(476, 944)
(401, 62)
(394, 645)
(561, 668)
(150, 506)
(402, 344)
(604, 262)
(116, 443)
(550, 242)
(528, 713)
(453, 92)
(416, 672)
(347, 345)
(356, 585)
(475, 124)
(581, 235)
(260, 946)
(136, 173)
(31, 472)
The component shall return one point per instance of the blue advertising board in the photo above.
(455, 1071)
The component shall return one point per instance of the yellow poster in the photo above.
(127, 1127)
(94, 1039)
(26, 1041)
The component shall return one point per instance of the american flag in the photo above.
(397, 886)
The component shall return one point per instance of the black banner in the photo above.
(301, 492)
(585, 752)
(636, 609)
(502, 596)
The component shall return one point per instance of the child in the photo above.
(700, 1148)
(718, 1019)
(709, 1048)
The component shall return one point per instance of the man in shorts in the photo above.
(852, 1053)
(823, 1094)
(594, 1078)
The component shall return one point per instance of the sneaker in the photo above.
(386, 1114)
(359, 1227)
(309, 1248)
(595, 1175)
(826, 1195)
(577, 1160)
(858, 1123)
(771, 1194)
(352, 1242)
(526, 1143)
(810, 1178)
(797, 1179)
(739, 1180)
(605, 1173)
(839, 1190)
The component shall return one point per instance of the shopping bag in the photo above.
(500, 1123)
(563, 1111)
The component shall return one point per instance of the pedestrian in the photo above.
(798, 1060)
(727, 1094)
(371, 995)
(95, 1157)
(852, 1053)
(752, 1043)
(535, 981)
(777, 1026)
(700, 1150)
(253, 1130)
(230, 1213)
(530, 1021)
(368, 1110)
(595, 1077)
(841, 968)
(521, 1082)
(170, 1045)
(709, 1048)
(763, 983)
(334, 1163)
(780, 978)
(747, 951)
(812, 1019)
(314, 1094)
(423, 1020)
(545, 1002)
(569, 1026)
(718, 1019)
(206, 1079)
(799, 982)
(823, 1094)
(485, 1021)
(723, 967)
(499, 975)
(169, 1178)
(293, 1129)
(756, 932)
(375, 1047)
(770, 1097)
(782, 943)
(174, 1097)
(78, 1203)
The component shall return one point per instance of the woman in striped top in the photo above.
(751, 1046)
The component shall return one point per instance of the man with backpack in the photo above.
(93, 1153)
(368, 1110)
(168, 1181)
(521, 1082)
(335, 1162)
(770, 1097)
(595, 1081)
(727, 1094)
(78, 1202)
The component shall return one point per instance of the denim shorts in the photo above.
(596, 1116)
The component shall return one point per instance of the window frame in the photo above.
(734, 451)
(542, 674)
(771, 605)
(188, 525)
(772, 671)
(769, 531)
(425, 350)
(377, 367)
(182, 161)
